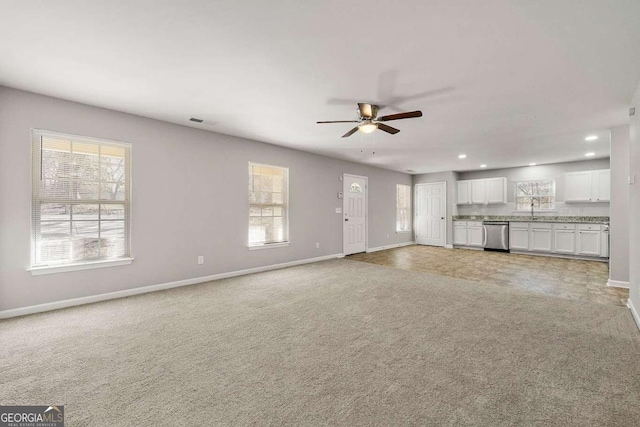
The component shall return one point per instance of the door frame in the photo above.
(415, 204)
(366, 209)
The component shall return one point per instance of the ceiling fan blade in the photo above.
(339, 121)
(388, 129)
(409, 115)
(351, 132)
(367, 110)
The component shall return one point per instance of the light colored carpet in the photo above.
(334, 343)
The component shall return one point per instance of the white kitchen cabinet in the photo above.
(604, 241)
(496, 190)
(601, 185)
(478, 191)
(588, 239)
(564, 239)
(519, 236)
(460, 233)
(587, 186)
(540, 237)
(464, 193)
(482, 191)
(475, 234)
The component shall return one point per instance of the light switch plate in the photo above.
(338, 210)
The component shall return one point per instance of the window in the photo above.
(403, 207)
(80, 200)
(268, 205)
(541, 193)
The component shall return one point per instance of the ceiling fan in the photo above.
(369, 121)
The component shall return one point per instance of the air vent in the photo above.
(193, 119)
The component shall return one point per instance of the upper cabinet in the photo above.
(587, 186)
(482, 191)
(464, 192)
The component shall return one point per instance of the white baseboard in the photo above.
(397, 245)
(23, 311)
(617, 284)
(448, 246)
(634, 312)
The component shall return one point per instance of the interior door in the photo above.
(354, 207)
(430, 206)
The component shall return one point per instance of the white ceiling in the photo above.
(505, 82)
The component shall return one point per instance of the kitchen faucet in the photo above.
(531, 208)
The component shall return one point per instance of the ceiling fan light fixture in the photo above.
(368, 127)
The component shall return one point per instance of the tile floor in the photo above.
(565, 278)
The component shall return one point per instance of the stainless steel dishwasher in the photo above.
(496, 236)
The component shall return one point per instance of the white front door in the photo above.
(354, 207)
(430, 206)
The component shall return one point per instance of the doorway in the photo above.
(354, 208)
(431, 214)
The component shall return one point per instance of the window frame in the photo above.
(37, 200)
(408, 208)
(284, 205)
(535, 196)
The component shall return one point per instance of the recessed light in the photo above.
(462, 156)
(590, 154)
(483, 166)
(532, 164)
(591, 138)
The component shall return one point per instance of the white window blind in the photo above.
(268, 204)
(81, 196)
(540, 192)
(403, 207)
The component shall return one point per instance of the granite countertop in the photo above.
(525, 218)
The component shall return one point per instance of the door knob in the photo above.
(441, 217)
(346, 219)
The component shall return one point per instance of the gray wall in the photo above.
(450, 178)
(538, 172)
(619, 231)
(634, 204)
(189, 198)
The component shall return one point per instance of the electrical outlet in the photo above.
(387, 235)
(201, 260)
(317, 245)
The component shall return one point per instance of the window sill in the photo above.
(268, 246)
(51, 269)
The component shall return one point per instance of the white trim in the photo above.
(448, 246)
(397, 245)
(23, 311)
(634, 312)
(268, 246)
(51, 269)
(617, 284)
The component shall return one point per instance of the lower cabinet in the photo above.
(475, 234)
(469, 233)
(460, 233)
(540, 239)
(588, 240)
(564, 239)
(559, 238)
(519, 236)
